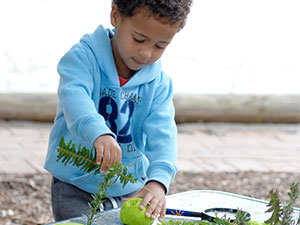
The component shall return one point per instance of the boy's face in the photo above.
(139, 40)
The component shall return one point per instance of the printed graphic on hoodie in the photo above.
(117, 107)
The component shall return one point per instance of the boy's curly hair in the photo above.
(173, 10)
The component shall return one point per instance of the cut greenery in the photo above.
(85, 159)
(281, 212)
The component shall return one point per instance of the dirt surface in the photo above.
(25, 199)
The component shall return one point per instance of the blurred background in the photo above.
(226, 47)
(236, 74)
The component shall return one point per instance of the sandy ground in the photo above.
(25, 199)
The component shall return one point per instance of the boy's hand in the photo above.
(108, 152)
(154, 195)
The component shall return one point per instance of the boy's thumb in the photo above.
(137, 195)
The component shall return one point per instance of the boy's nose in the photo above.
(146, 53)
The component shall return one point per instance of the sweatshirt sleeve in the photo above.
(75, 95)
(161, 133)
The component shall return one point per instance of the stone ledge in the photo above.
(21, 106)
(189, 108)
(238, 108)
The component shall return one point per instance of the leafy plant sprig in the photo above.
(100, 195)
(282, 211)
(241, 218)
(85, 159)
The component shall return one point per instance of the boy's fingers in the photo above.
(105, 162)
(114, 157)
(136, 195)
(116, 154)
(162, 212)
(146, 200)
(153, 209)
(99, 156)
(119, 155)
(156, 212)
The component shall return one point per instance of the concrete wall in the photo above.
(238, 108)
(35, 107)
(189, 108)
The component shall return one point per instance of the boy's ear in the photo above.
(115, 16)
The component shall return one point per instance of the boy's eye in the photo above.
(138, 40)
(160, 47)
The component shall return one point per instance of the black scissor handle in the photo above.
(228, 210)
(204, 215)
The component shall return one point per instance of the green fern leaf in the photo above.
(83, 158)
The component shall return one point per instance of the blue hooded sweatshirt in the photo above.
(140, 115)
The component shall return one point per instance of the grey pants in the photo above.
(68, 201)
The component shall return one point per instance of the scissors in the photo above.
(209, 214)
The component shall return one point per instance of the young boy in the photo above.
(114, 96)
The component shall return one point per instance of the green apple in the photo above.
(131, 214)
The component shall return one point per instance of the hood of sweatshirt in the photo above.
(100, 45)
